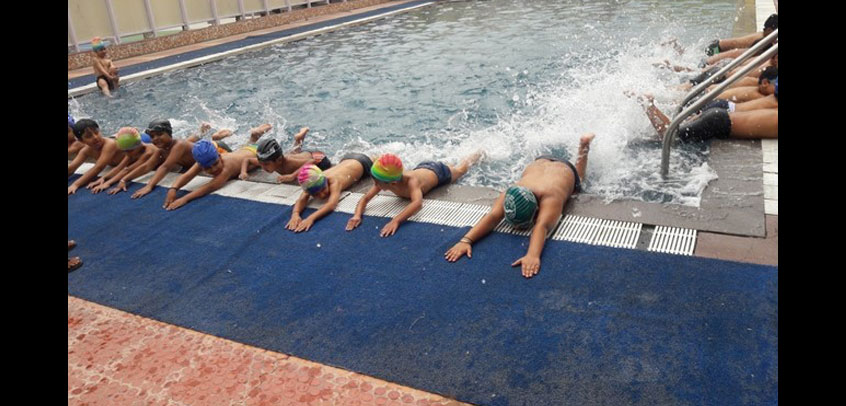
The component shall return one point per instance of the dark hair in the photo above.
(160, 126)
(770, 74)
(772, 22)
(268, 150)
(81, 126)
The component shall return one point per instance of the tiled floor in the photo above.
(116, 358)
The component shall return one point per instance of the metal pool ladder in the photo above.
(682, 114)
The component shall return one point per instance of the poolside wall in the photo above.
(122, 51)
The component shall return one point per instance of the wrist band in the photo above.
(466, 240)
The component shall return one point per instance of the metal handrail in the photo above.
(671, 131)
(737, 61)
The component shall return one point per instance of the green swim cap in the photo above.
(128, 138)
(520, 207)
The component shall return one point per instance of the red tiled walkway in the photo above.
(116, 358)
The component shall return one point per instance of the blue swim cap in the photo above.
(71, 121)
(145, 138)
(776, 87)
(205, 153)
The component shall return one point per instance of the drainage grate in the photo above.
(348, 203)
(435, 211)
(670, 240)
(385, 206)
(609, 233)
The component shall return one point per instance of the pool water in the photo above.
(518, 79)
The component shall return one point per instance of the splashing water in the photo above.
(518, 79)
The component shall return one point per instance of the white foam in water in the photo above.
(392, 86)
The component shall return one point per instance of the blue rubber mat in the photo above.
(251, 40)
(596, 326)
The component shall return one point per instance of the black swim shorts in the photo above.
(441, 171)
(578, 186)
(364, 160)
(713, 123)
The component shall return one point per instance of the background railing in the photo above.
(112, 20)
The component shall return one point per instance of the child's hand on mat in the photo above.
(176, 204)
(531, 265)
(171, 196)
(99, 188)
(294, 223)
(96, 183)
(304, 225)
(72, 189)
(389, 229)
(353, 223)
(459, 250)
(244, 176)
(142, 192)
(121, 187)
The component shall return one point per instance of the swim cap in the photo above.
(268, 150)
(71, 121)
(128, 139)
(520, 206)
(80, 126)
(388, 168)
(97, 44)
(205, 153)
(776, 87)
(311, 179)
(160, 126)
(145, 138)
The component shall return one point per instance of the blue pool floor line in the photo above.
(86, 84)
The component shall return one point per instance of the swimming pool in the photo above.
(519, 79)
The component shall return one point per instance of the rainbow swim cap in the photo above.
(520, 207)
(388, 168)
(311, 179)
(128, 138)
(97, 44)
(205, 153)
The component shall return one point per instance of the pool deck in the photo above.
(117, 358)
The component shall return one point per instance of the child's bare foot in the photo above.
(71, 244)
(584, 142)
(298, 139)
(204, 127)
(256, 133)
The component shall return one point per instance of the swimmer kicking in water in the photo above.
(104, 150)
(136, 154)
(221, 166)
(538, 198)
(271, 158)
(174, 154)
(754, 119)
(388, 175)
(326, 185)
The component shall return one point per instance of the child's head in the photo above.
(129, 140)
(766, 82)
(313, 181)
(98, 46)
(520, 207)
(269, 155)
(387, 169)
(160, 132)
(87, 131)
(206, 155)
